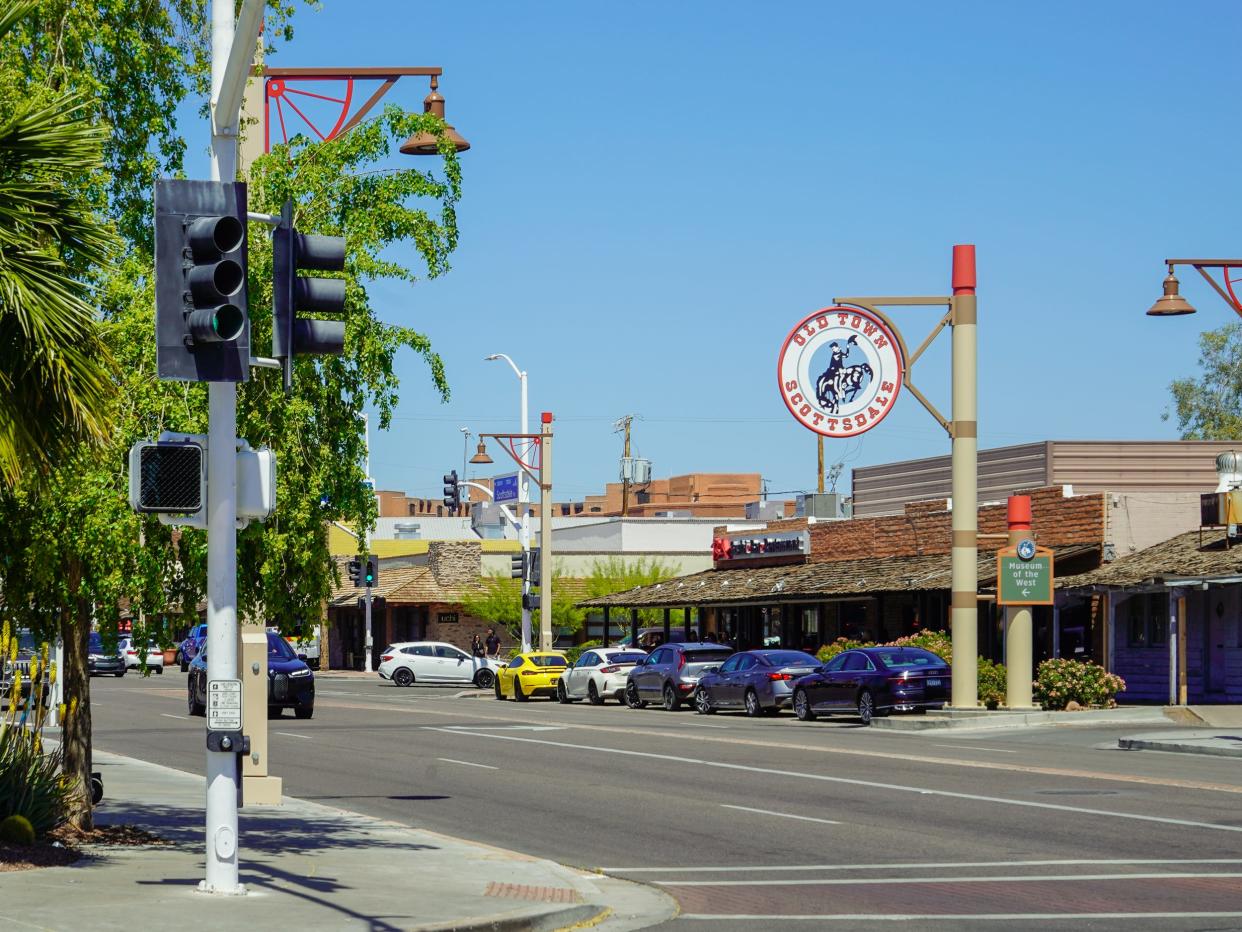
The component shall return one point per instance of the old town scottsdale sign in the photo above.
(840, 371)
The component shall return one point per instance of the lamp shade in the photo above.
(427, 143)
(480, 455)
(1170, 304)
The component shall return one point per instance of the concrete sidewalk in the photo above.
(983, 719)
(1214, 742)
(306, 866)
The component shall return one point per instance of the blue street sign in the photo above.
(505, 488)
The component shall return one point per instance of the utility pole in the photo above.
(545, 530)
(626, 466)
(820, 472)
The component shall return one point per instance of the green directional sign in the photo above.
(1024, 582)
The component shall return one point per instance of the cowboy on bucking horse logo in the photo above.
(840, 371)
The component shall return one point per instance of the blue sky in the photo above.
(658, 192)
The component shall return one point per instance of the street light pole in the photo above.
(545, 533)
(465, 450)
(964, 555)
(523, 496)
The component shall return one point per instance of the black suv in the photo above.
(671, 673)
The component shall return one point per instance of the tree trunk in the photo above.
(76, 727)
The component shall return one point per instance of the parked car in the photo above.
(410, 662)
(651, 638)
(100, 661)
(598, 674)
(307, 645)
(27, 649)
(533, 674)
(133, 658)
(290, 682)
(190, 647)
(759, 681)
(671, 673)
(873, 681)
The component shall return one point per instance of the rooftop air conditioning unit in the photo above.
(765, 511)
(826, 506)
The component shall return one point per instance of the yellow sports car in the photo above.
(533, 674)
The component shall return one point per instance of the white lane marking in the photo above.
(973, 747)
(783, 815)
(868, 784)
(290, 734)
(184, 718)
(947, 917)
(1018, 878)
(467, 763)
(920, 865)
(502, 727)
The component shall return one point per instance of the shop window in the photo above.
(1148, 620)
(810, 628)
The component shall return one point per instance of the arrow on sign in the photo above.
(1026, 592)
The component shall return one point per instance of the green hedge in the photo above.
(1060, 682)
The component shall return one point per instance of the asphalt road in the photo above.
(748, 822)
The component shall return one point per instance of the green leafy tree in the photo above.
(1210, 407)
(498, 601)
(616, 574)
(56, 384)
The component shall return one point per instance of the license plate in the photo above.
(933, 682)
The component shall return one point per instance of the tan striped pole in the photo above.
(964, 608)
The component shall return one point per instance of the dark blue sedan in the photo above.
(759, 681)
(290, 682)
(872, 681)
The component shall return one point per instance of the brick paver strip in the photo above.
(524, 891)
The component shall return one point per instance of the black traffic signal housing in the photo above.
(452, 491)
(517, 565)
(293, 294)
(202, 322)
(370, 572)
(530, 601)
(532, 566)
(355, 572)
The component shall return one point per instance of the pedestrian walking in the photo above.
(493, 644)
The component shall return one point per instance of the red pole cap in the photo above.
(1019, 512)
(546, 417)
(964, 269)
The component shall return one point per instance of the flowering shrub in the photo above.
(992, 681)
(1059, 682)
(937, 642)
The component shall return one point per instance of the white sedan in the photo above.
(133, 657)
(598, 674)
(413, 662)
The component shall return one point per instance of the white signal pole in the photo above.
(523, 497)
(228, 75)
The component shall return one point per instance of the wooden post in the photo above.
(686, 623)
(667, 620)
(1182, 697)
(606, 625)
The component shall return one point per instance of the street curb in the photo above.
(985, 720)
(1142, 744)
(569, 917)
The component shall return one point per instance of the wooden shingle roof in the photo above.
(1179, 557)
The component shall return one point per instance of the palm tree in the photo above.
(56, 383)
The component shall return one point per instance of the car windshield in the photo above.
(791, 658)
(547, 660)
(278, 649)
(629, 657)
(95, 642)
(902, 658)
(26, 641)
(700, 656)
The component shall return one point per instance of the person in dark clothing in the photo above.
(476, 646)
(493, 644)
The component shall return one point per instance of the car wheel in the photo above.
(275, 711)
(561, 695)
(499, 694)
(403, 676)
(517, 691)
(119, 675)
(866, 707)
(484, 679)
(192, 703)
(304, 713)
(632, 698)
(185, 667)
(159, 671)
(802, 706)
(753, 708)
(703, 702)
(672, 702)
(593, 695)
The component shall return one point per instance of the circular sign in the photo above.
(1026, 549)
(840, 371)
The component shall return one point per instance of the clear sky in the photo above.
(658, 192)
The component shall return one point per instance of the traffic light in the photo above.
(370, 573)
(517, 565)
(293, 294)
(355, 572)
(167, 477)
(452, 492)
(202, 325)
(532, 566)
(530, 601)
